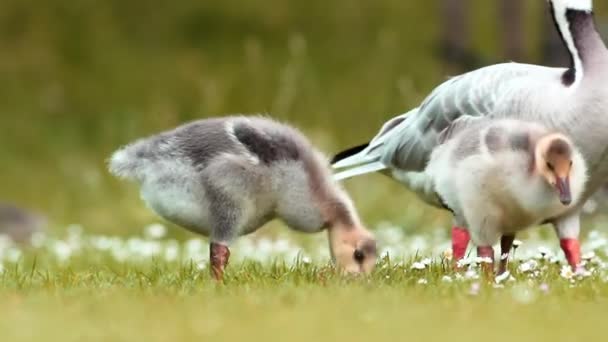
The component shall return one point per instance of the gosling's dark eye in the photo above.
(571, 163)
(359, 256)
(549, 166)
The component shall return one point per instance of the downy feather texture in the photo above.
(226, 177)
(571, 100)
(494, 176)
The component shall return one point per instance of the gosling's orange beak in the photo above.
(562, 184)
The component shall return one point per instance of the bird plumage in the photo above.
(571, 100)
(493, 167)
(502, 176)
(226, 177)
(509, 90)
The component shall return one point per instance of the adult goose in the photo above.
(571, 100)
(500, 176)
(226, 177)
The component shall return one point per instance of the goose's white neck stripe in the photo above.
(578, 5)
(560, 8)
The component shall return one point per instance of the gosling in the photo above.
(226, 177)
(501, 176)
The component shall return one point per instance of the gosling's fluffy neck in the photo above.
(339, 212)
(334, 204)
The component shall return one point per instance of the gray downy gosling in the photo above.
(501, 176)
(226, 177)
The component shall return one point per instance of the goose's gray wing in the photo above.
(497, 90)
(460, 125)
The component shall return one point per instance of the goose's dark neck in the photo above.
(584, 44)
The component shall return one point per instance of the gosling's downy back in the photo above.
(496, 167)
(262, 140)
(259, 141)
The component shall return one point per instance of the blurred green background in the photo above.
(81, 78)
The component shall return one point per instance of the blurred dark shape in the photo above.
(511, 19)
(455, 39)
(455, 34)
(20, 224)
(454, 42)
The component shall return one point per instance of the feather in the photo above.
(359, 170)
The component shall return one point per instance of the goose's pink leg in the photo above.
(218, 255)
(572, 250)
(460, 241)
(568, 229)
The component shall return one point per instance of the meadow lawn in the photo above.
(83, 287)
(82, 78)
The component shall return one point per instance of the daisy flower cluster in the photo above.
(418, 255)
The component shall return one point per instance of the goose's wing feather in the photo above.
(374, 150)
(483, 93)
(458, 126)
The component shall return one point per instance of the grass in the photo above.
(158, 302)
(79, 287)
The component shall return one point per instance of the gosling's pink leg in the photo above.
(486, 252)
(572, 250)
(460, 241)
(218, 255)
(506, 242)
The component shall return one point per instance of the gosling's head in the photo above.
(554, 162)
(353, 248)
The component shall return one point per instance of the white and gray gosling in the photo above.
(501, 176)
(226, 177)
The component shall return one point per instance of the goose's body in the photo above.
(226, 177)
(494, 177)
(573, 101)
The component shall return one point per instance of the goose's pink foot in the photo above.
(460, 241)
(572, 250)
(218, 255)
